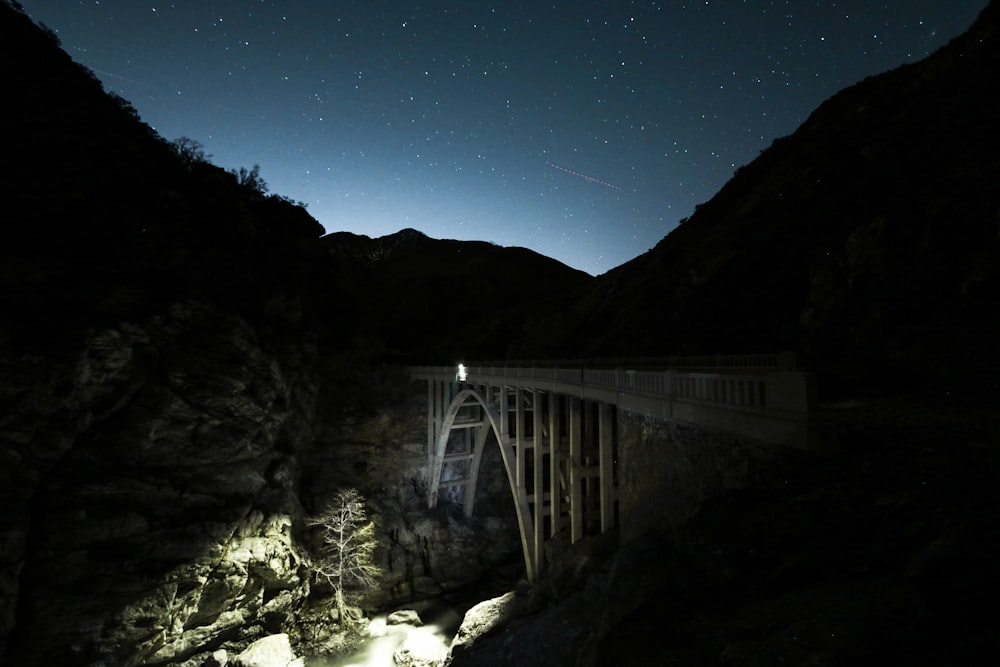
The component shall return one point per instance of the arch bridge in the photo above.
(556, 428)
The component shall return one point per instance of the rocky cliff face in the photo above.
(154, 480)
(150, 491)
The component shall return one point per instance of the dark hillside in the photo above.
(158, 327)
(103, 220)
(867, 240)
(441, 301)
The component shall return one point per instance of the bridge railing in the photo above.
(772, 404)
(789, 391)
(777, 361)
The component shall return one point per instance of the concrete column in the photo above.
(467, 445)
(605, 440)
(525, 519)
(589, 460)
(538, 478)
(436, 410)
(431, 415)
(555, 464)
(504, 415)
(519, 440)
(576, 508)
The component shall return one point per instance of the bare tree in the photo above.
(190, 151)
(251, 180)
(348, 547)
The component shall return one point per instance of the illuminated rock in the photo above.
(404, 617)
(162, 510)
(272, 651)
(483, 618)
(421, 648)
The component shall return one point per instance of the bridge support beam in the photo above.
(575, 465)
(541, 450)
(606, 461)
(519, 485)
(557, 480)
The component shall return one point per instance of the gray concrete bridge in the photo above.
(556, 428)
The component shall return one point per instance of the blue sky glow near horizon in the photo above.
(581, 130)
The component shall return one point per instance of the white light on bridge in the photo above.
(461, 375)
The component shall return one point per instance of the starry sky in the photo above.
(582, 130)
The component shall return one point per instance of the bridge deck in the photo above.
(769, 405)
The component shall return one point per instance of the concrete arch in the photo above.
(490, 421)
(558, 451)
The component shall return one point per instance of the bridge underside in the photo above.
(558, 452)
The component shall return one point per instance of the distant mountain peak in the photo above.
(408, 235)
(370, 251)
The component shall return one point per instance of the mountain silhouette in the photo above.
(186, 360)
(867, 241)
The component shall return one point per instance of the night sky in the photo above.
(582, 130)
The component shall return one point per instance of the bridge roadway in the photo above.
(556, 428)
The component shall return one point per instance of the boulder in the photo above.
(484, 617)
(271, 651)
(404, 617)
(421, 648)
